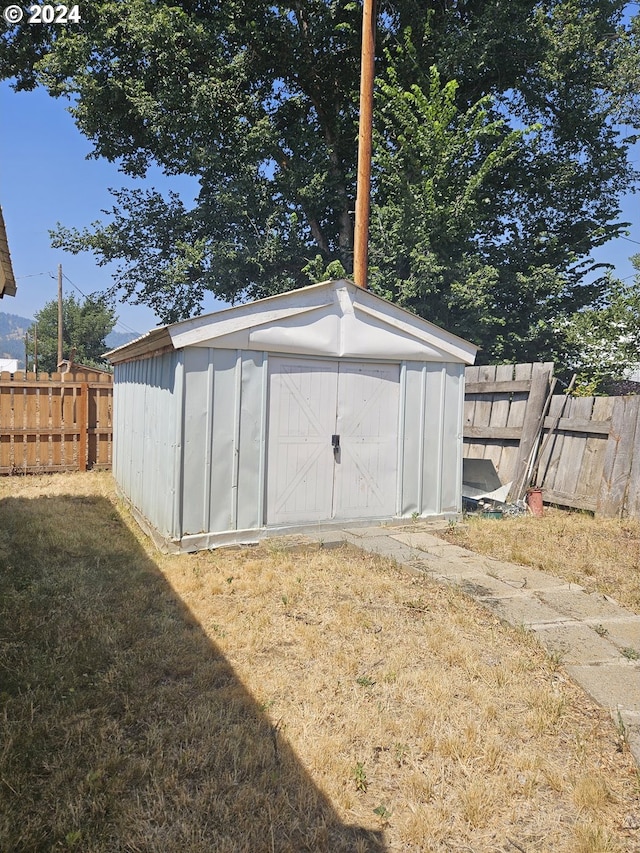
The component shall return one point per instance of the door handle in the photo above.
(335, 443)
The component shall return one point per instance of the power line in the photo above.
(118, 322)
(32, 275)
(73, 284)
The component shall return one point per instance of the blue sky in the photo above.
(45, 178)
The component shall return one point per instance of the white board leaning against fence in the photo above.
(320, 406)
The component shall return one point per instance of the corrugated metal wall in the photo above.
(191, 430)
(147, 426)
(431, 426)
(224, 429)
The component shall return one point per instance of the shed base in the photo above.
(209, 541)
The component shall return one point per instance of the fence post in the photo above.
(632, 504)
(540, 382)
(83, 425)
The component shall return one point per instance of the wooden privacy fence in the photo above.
(57, 422)
(584, 452)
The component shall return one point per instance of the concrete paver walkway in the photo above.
(596, 640)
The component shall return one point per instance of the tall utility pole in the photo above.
(363, 192)
(59, 313)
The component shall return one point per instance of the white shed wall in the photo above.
(431, 446)
(224, 424)
(191, 431)
(147, 423)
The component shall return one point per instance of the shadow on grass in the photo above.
(122, 726)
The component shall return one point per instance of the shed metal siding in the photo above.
(207, 464)
(432, 419)
(222, 465)
(435, 440)
(252, 437)
(196, 455)
(222, 502)
(452, 439)
(411, 439)
(147, 414)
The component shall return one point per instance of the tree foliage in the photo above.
(605, 338)
(477, 224)
(85, 325)
(433, 187)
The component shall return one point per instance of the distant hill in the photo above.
(118, 339)
(12, 331)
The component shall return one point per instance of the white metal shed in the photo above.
(324, 405)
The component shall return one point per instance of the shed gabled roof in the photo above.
(334, 318)
(7, 279)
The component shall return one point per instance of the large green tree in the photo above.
(85, 325)
(258, 101)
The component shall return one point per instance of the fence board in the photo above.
(492, 412)
(500, 404)
(31, 416)
(500, 386)
(579, 425)
(6, 418)
(19, 450)
(550, 458)
(540, 383)
(566, 480)
(468, 418)
(56, 425)
(571, 501)
(82, 413)
(632, 504)
(594, 450)
(618, 457)
(482, 413)
(517, 411)
(68, 421)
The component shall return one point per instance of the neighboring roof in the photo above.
(334, 318)
(70, 366)
(7, 278)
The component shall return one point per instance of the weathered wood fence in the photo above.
(584, 452)
(57, 422)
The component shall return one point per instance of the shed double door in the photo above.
(332, 440)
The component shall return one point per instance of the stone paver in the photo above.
(578, 604)
(524, 610)
(523, 576)
(487, 586)
(614, 685)
(624, 633)
(577, 643)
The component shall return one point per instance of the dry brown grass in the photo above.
(600, 554)
(268, 699)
